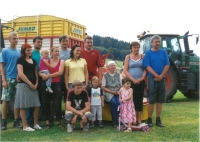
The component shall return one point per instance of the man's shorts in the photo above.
(9, 93)
(155, 90)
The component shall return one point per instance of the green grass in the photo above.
(180, 117)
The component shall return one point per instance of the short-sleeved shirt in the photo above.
(9, 57)
(78, 101)
(93, 59)
(64, 55)
(28, 70)
(95, 95)
(157, 60)
(76, 69)
(36, 56)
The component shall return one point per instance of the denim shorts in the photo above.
(155, 90)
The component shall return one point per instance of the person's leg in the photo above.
(113, 106)
(94, 112)
(151, 98)
(4, 109)
(35, 114)
(23, 117)
(68, 118)
(99, 115)
(89, 117)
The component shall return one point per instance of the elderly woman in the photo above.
(111, 83)
(133, 69)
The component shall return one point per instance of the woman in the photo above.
(27, 95)
(133, 70)
(111, 83)
(76, 69)
(52, 101)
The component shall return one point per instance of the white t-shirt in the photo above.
(95, 95)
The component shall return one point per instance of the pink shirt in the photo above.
(54, 70)
(42, 65)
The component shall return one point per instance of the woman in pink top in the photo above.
(52, 101)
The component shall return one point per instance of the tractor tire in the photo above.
(171, 84)
(191, 95)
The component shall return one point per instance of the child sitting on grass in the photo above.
(97, 100)
(78, 107)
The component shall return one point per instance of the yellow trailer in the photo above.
(47, 26)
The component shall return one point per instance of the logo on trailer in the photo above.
(26, 29)
(77, 30)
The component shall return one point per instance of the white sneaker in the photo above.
(69, 128)
(49, 90)
(37, 127)
(86, 127)
(29, 129)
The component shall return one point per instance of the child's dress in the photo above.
(127, 108)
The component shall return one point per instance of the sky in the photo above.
(120, 19)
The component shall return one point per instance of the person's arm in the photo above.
(23, 77)
(164, 71)
(126, 62)
(120, 96)
(59, 72)
(102, 98)
(36, 74)
(100, 75)
(67, 77)
(3, 76)
(129, 96)
(47, 63)
(87, 108)
(143, 76)
(86, 76)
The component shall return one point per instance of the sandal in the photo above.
(48, 126)
(128, 130)
(61, 127)
(29, 129)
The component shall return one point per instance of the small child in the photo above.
(97, 100)
(127, 108)
(78, 107)
(44, 64)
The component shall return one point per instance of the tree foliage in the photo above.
(118, 48)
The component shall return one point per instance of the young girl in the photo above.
(127, 109)
(44, 64)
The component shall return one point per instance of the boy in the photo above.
(78, 107)
(97, 101)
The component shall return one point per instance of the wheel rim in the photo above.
(167, 82)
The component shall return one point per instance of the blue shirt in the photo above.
(157, 60)
(9, 57)
(36, 56)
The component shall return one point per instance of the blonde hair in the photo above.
(44, 50)
(12, 33)
(77, 83)
(94, 78)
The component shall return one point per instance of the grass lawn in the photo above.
(180, 117)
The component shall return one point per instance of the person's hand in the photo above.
(35, 86)
(85, 87)
(32, 86)
(5, 84)
(115, 92)
(120, 100)
(44, 76)
(18, 78)
(158, 78)
(74, 119)
(134, 81)
(100, 83)
(84, 119)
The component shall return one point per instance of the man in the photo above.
(37, 43)
(93, 59)
(8, 63)
(156, 62)
(64, 55)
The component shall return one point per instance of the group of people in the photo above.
(38, 84)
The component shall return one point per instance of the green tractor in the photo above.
(183, 74)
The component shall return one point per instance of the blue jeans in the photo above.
(114, 103)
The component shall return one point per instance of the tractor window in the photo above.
(145, 45)
(175, 44)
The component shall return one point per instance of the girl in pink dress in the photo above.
(127, 108)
